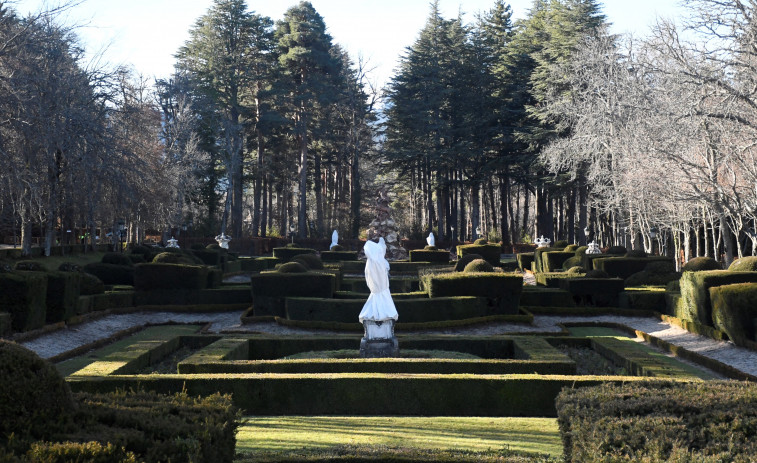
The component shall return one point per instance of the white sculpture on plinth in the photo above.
(379, 313)
(431, 240)
(223, 240)
(593, 248)
(172, 243)
(334, 240)
(542, 242)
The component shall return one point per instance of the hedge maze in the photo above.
(521, 374)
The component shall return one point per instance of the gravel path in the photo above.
(64, 340)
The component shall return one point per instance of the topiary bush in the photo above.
(310, 261)
(571, 247)
(176, 258)
(617, 250)
(734, 310)
(112, 274)
(69, 267)
(213, 246)
(29, 265)
(481, 241)
(635, 253)
(292, 267)
(89, 452)
(137, 258)
(597, 274)
(574, 261)
(581, 250)
(430, 248)
(337, 248)
(660, 267)
(165, 275)
(90, 284)
(478, 265)
(561, 244)
(465, 260)
(197, 247)
(699, 264)
(23, 294)
(745, 264)
(116, 258)
(147, 252)
(576, 270)
(525, 259)
(35, 401)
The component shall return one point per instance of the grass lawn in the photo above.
(267, 438)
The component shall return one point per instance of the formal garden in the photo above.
(479, 375)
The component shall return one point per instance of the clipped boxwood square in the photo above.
(734, 311)
(286, 254)
(170, 276)
(695, 291)
(624, 267)
(504, 287)
(338, 256)
(437, 257)
(491, 252)
(553, 260)
(23, 296)
(599, 292)
(269, 290)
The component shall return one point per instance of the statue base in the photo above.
(379, 340)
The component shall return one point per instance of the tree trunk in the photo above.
(504, 203)
(258, 194)
(318, 184)
(302, 216)
(475, 196)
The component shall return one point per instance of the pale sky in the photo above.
(147, 33)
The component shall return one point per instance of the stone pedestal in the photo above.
(379, 340)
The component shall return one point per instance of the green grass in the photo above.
(279, 436)
(152, 333)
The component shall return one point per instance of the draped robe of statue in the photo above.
(379, 306)
(431, 241)
(334, 240)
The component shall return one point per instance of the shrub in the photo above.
(581, 250)
(288, 253)
(465, 260)
(624, 267)
(170, 257)
(734, 310)
(5, 267)
(35, 399)
(63, 289)
(576, 270)
(23, 296)
(430, 248)
(705, 422)
(29, 265)
(211, 257)
(745, 264)
(137, 258)
(695, 292)
(571, 262)
(502, 288)
(478, 265)
(197, 247)
(436, 256)
(147, 252)
(292, 267)
(337, 248)
(310, 261)
(491, 252)
(636, 253)
(699, 264)
(597, 274)
(89, 452)
(539, 258)
(647, 278)
(90, 284)
(111, 274)
(525, 259)
(593, 291)
(661, 266)
(69, 267)
(215, 246)
(338, 256)
(116, 258)
(571, 247)
(163, 275)
(617, 250)
(270, 289)
(561, 244)
(554, 260)
(481, 242)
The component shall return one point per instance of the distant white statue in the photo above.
(542, 242)
(334, 240)
(593, 248)
(379, 306)
(172, 243)
(430, 240)
(223, 240)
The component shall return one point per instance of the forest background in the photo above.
(548, 125)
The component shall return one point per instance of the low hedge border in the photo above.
(338, 256)
(552, 279)
(367, 394)
(437, 257)
(287, 254)
(396, 285)
(524, 260)
(637, 360)
(589, 311)
(525, 318)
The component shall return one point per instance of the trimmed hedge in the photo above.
(734, 311)
(546, 297)
(169, 276)
(410, 310)
(524, 260)
(705, 422)
(504, 288)
(462, 262)
(63, 289)
(211, 257)
(111, 274)
(695, 292)
(116, 258)
(218, 296)
(23, 296)
(599, 292)
(437, 257)
(539, 257)
(396, 285)
(699, 264)
(624, 267)
(745, 264)
(367, 393)
(338, 256)
(269, 290)
(644, 299)
(636, 359)
(553, 260)
(552, 279)
(286, 254)
(490, 252)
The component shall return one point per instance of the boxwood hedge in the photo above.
(170, 276)
(505, 288)
(695, 292)
(734, 311)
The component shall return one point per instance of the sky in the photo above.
(147, 33)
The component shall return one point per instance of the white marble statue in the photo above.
(431, 240)
(172, 243)
(223, 240)
(379, 306)
(334, 240)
